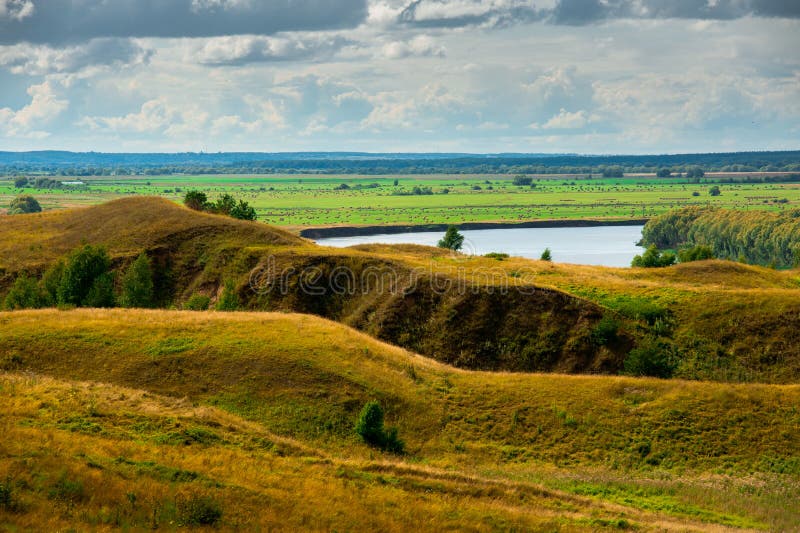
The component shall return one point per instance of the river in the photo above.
(595, 245)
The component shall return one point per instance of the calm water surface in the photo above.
(599, 245)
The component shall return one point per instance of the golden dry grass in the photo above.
(485, 450)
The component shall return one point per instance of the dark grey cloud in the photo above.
(64, 21)
(460, 13)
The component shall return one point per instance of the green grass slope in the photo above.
(653, 453)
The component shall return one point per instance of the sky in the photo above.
(480, 76)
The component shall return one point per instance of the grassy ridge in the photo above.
(719, 320)
(668, 452)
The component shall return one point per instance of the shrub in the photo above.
(664, 173)
(22, 205)
(51, 280)
(521, 181)
(7, 496)
(195, 200)
(651, 358)
(20, 182)
(546, 255)
(653, 258)
(25, 293)
(243, 211)
(101, 294)
(497, 255)
(605, 331)
(86, 271)
(229, 300)
(695, 253)
(197, 302)
(137, 284)
(370, 428)
(452, 239)
(198, 510)
(714, 191)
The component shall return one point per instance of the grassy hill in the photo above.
(713, 320)
(125, 227)
(140, 418)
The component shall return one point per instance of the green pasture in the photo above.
(311, 200)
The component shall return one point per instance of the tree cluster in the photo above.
(225, 205)
(654, 258)
(757, 237)
(22, 205)
(84, 279)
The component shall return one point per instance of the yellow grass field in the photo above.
(129, 418)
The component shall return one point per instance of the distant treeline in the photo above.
(100, 164)
(757, 237)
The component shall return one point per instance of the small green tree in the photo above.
(369, 427)
(22, 205)
(25, 293)
(101, 293)
(452, 239)
(714, 191)
(51, 281)
(229, 300)
(546, 255)
(653, 258)
(20, 182)
(663, 173)
(195, 200)
(243, 211)
(137, 284)
(224, 205)
(82, 275)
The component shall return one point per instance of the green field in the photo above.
(312, 200)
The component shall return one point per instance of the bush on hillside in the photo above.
(195, 200)
(22, 205)
(653, 258)
(229, 300)
(51, 281)
(20, 182)
(605, 331)
(137, 284)
(546, 255)
(86, 279)
(695, 253)
(370, 428)
(652, 358)
(25, 293)
(197, 510)
(101, 294)
(243, 211)
(197, 302)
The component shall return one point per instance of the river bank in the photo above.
(358, 231)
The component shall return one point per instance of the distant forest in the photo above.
(56, 163)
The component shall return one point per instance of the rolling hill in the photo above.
(714, 320)
(139, 419)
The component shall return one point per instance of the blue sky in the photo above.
(586, 76)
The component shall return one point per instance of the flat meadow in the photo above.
(303, 200)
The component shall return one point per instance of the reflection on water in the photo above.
(598, 245)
